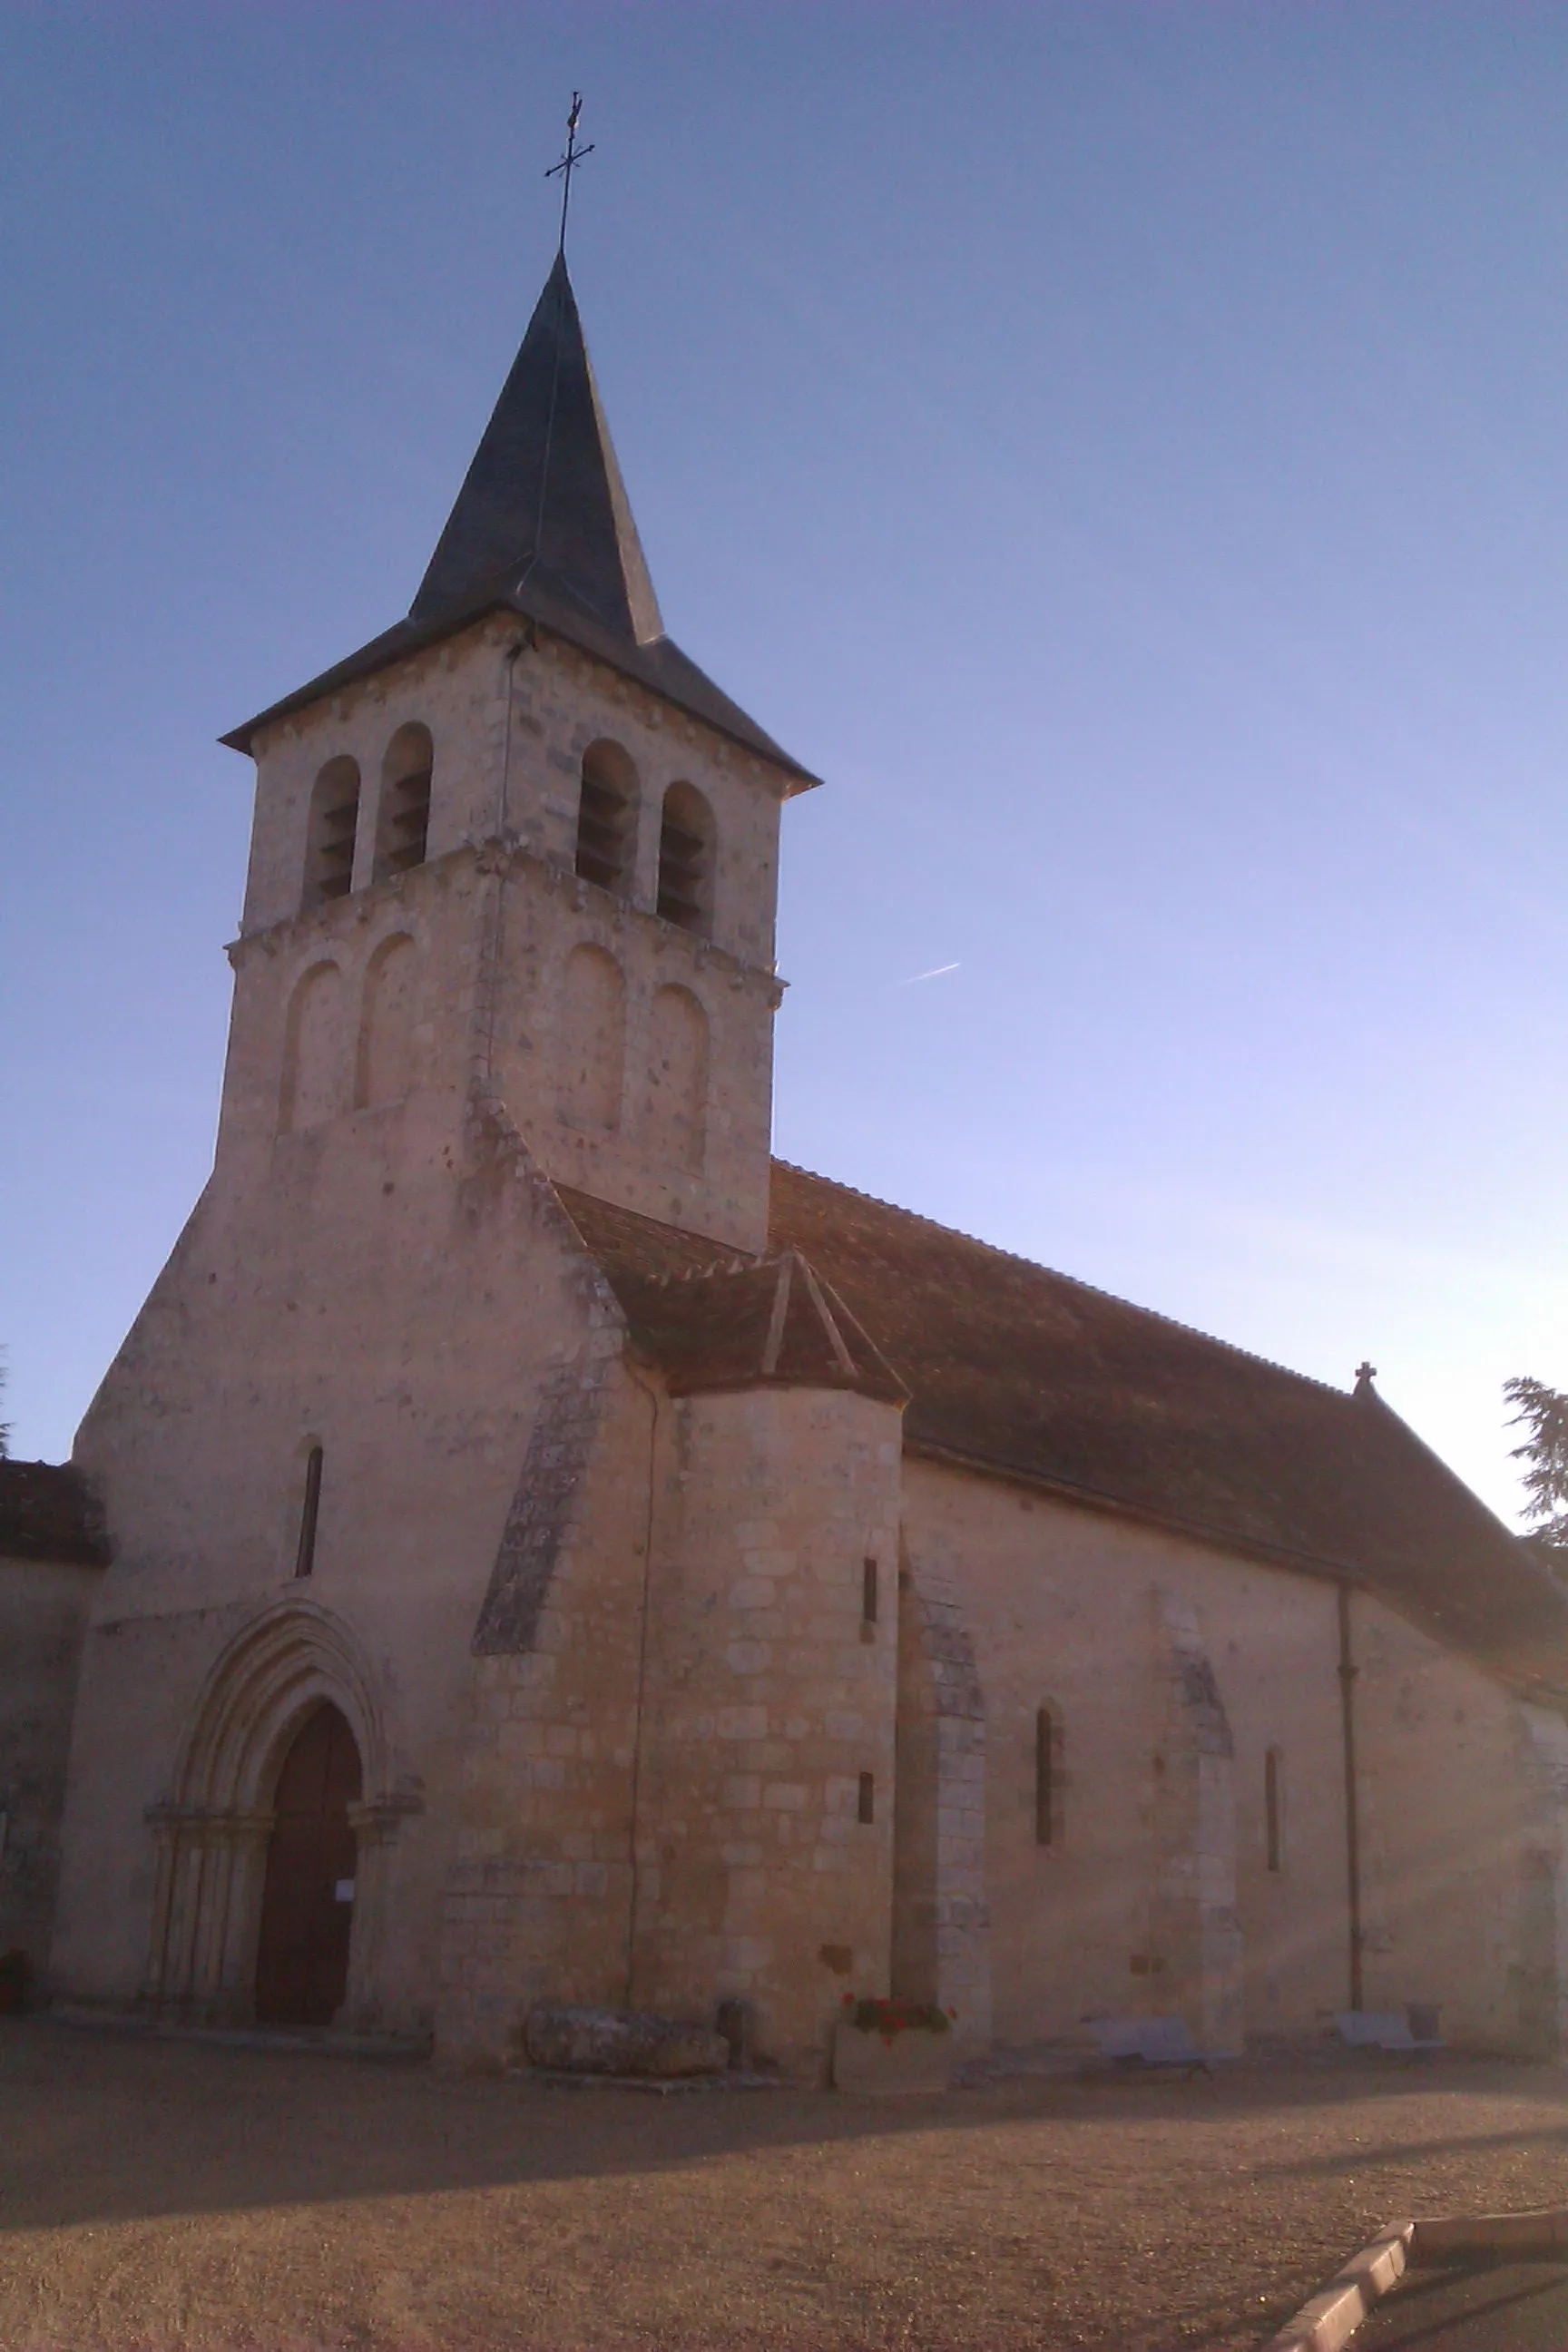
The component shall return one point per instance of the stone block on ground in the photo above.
(581, 2041)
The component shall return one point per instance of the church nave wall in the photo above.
(1120, 1629)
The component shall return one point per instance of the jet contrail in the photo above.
(936, 974)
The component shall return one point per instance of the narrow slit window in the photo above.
(867, 1809)
(402, 826)
(685, 860)
(606, 817)
(310, 1512)
(869, 1592)
(334, 825)
(1046, 1777)
(1274, 1810)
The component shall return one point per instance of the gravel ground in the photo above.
(162, 2194)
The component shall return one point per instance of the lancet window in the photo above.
(1047, 1776)
(1274, 1808)
(310, 1512)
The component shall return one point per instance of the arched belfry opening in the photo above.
(685, 860)
(333, 826)
(403, 822)
(606, 817)
(308, 1893)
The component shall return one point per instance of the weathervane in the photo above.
(568, 162)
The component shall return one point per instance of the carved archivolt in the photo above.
(212, 1833)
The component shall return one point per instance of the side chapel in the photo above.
(533, 1545)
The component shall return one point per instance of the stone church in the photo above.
(532, 1544)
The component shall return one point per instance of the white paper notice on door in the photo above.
(343, 1892)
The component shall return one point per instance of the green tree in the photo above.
(1543, 1412)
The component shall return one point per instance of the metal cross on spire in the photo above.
(568, 162)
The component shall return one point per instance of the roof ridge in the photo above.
(1017, 1257)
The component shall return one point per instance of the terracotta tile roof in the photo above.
(731, 1323)
(1026, 1373)
(47, 1513)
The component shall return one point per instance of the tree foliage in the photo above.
(1543, 1412)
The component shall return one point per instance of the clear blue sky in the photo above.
(1123, 448)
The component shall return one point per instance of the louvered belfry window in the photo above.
(408, 823)
(606, 817)
(335, 822)
(686, 859)
(403, 828)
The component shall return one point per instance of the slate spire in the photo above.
(543, 502)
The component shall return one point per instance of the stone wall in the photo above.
(942, 1910)
(1461, 1819)
(1171, 1670)
(765, 1817)
(537, 1900)
(44, 1609)
(394, 1286)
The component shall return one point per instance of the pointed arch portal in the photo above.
(278, 1849)
(307, 1901)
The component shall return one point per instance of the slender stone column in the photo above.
(190, 1876)
(376, 1825)
(165, 1821)
(232, 1993)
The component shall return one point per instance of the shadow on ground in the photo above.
(104, 2125)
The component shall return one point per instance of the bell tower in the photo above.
(520, 849)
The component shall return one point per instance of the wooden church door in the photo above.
(307, 1903)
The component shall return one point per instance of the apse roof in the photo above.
(739, 1323)
(1025, 1373)
(543, 527)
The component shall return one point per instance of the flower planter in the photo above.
(883, 2065)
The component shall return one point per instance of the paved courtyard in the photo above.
(162, 2194)
(1513, 2307)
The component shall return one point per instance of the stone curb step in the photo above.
(558, 2078)
(1332, 2315)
